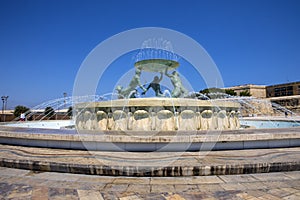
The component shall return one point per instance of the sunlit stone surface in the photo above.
(161, 114)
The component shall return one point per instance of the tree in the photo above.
(212, 90)
(214, 93)
(70, 111)
(230, 92)
(21, 109)
(245, 93)
(49, 112)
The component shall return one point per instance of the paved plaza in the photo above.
(26, 184)
(36, 184)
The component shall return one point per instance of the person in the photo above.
(22, 117)
(179, 89)
(135, 81)
(155, 86)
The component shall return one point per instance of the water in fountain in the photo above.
(254, 107)
(59, 105)
(156, 49)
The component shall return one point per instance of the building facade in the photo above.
(280, 96)
(258, 91)
(286, 89)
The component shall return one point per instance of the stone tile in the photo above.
(203, 180)
(115, 187)
(168, 180)
(89, 194)
(61, 193)
(162, 188)
(129, 180)
(211, 188)
(278, 192)
(96, 179)
(237, 178)
(292, 197)
(39, 193)
(293, 175)
(210, 198)
(275, 184)
(195, 196)
(16, 172)
(269, 197)
(233, 186)
(174, 197)
(256, 193)
(254, 185)
(56, 176)
(131, 197)
(20, 192)
(269, 176)
(245, 195)
(141, 189)
(186, 188)
(153, 196)
(110, 196)
(227, 194)
(290, 190)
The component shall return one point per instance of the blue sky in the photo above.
(43, 43)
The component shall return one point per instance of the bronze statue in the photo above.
(155, 86)
(179, 90)
(135, 81)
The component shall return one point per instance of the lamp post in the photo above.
(65, 95)
(4, 103)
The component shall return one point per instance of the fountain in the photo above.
(159, 113)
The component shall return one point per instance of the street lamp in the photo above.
(4, 103)
(65, 95)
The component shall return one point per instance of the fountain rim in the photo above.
(159, 101)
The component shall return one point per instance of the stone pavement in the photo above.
(151, 163)
(27, 184)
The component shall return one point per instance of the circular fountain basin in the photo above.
(156, 65)
(157, 114)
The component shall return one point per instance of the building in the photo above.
(285, 89)
(281, 96)
(258, 91)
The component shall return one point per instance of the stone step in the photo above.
(151, 163)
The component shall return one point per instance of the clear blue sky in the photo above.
(43, 43)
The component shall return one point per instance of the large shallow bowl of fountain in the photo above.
(156, 65)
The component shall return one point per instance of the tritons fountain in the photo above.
(161, 113)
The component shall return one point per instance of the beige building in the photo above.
(286, 95)
(285, 89)
(258, 91)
